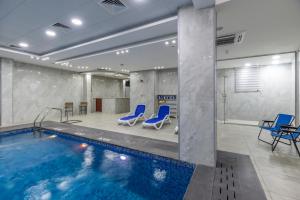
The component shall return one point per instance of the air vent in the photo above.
(229, 39)
(60, 25)
(113, 6)
(14, 46)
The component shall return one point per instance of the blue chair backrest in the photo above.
(163, 111)
(139, 109)
(283, 119)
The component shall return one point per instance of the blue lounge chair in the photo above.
(159, 120)
(290, 133)
(132, 119)
(275, 126)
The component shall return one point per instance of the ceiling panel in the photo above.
(163, 29)
(139, 58)
(28, 21)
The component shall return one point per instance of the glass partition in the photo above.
(256, 88)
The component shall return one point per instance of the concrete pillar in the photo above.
(196, 79)
(297, 88)
(87, 91)
(6, 92)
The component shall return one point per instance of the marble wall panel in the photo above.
(6, 92)
(196, 77)
(104, 87)
(277, 95)
(36, 87)
(168, 82)
(143, 90)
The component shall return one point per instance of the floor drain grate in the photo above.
(226, 180)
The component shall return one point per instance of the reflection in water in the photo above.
(159, 175)
(66, 182)
(116, 166)
(38, 192)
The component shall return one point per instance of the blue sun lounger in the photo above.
(159, 120)
(132, 119)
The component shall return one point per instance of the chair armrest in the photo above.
(290, 131)
(288, 127)
(268, 121)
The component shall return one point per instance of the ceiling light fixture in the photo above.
(23, 44)
(45, 58)
(275, 57)
(50, 33)
(248, 65)
(167, 43)
(173, 41)
(117, 53)
(76, 21)
(275, 62)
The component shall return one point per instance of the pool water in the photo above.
(55, 166)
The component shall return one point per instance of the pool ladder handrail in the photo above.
(44, 113)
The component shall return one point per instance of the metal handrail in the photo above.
(46, 111)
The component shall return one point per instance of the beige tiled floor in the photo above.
(109, 122)
(279, 172)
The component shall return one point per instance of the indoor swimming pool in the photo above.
(53, 165)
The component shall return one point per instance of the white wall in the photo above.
(36, 87)
(277, 95)
(145, 85)
(6, 91)
(167, 82)
(104, 87)
(142, 90)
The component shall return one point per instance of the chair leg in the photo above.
(258, 137)
(296, 147)
(276, 143)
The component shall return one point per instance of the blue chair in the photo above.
(290, 133)
(133, 118)
(159, 120)
(275, 126)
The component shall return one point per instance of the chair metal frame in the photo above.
(270, 124)
(287, 130)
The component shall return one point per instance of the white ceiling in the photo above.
(27, 20)
(271, 26)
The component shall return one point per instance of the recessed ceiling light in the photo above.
(126, 50)
(275, 62)
(167, 43)
(122, 52)
(23, 44)
(50, 33)
(275, 57)
(45, 58)
(76, 21)
(117, 53)
(173, 41)
(248, 65)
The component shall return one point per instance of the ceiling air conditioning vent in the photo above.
(113, 6)
(14, 46)
(60, 25)
(229, 39)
